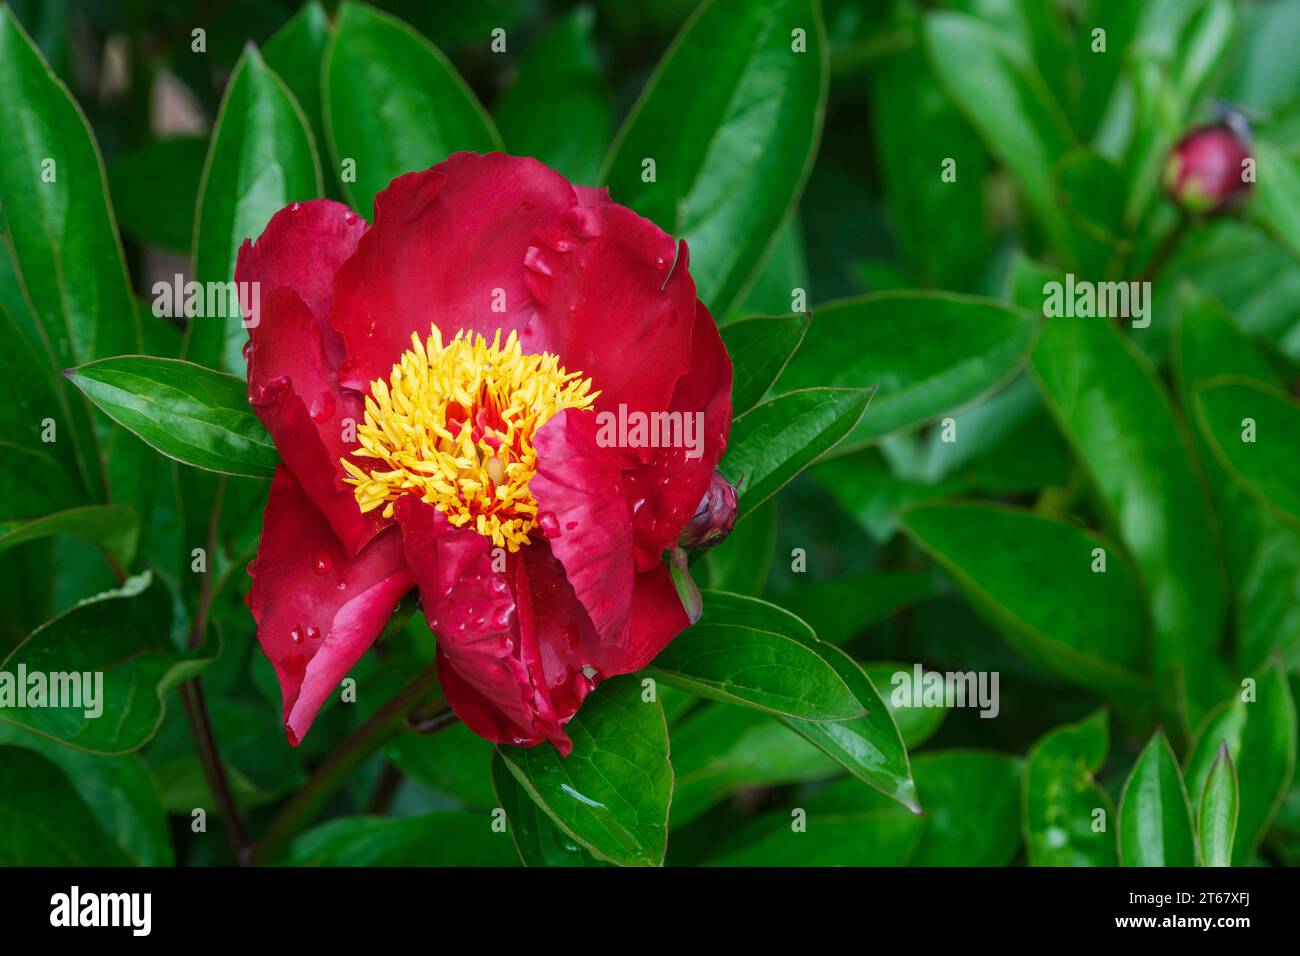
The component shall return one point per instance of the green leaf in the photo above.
(972, 818)
(759, 349)
(1155, 820)
(455, 761)
(718, 750)
(558, 109)
(1061, 797)
(435, 839)
(113, 529)
(774, 441)
(190, 413)
(260, 160)
(537, 839)
(64, 237)
(611, 794)
(916, 723)
(1262, 548)
(123, 635)
(393, 103)
(1217, 818)
(731, 154)
(746, 651)
(1277, 194)
(155, 191)
(1004, 96)
(1123, 428)
(869, 746)
(295, 53)
(928, 353)
(1254, 429)
(44, 821)
(1023, 568)
(839, 608)
(939, 225)
(119, 792)
(1261, 739)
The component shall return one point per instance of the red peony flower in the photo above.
(443, 388)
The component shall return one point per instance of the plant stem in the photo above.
(1164, 252)
(205, 743)
(196, 710)
(303, 807)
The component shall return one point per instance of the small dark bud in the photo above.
(714, 518)
(1206, 172)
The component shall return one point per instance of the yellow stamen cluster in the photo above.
(454, 424)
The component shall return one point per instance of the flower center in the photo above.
(454, 424)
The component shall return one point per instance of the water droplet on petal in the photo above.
(548, 523)
(322, 407)
(321, 562)
(313, 633)
(295, 209)
(349, 217)
(295, 635)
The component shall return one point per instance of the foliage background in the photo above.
(1072, 434)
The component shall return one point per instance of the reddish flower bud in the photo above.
(1205, 172)
(714, 518)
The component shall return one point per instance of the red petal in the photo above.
(617, 302)
(490, 672)
(584, 515)
(302, 248)
(444, 242)
(317, 609)
(668, 483)
(296, 394)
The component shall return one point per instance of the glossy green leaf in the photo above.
(52, 188)
(558, 109)
(1155, 819)
(1024, 568)
(870, 746)
(537, 839)
(155, 191)
(1004, 96)
(939, 225)
(44, 821)
(119, 791)
(759, 349)
(774, 441)
(916, 721)
(719, 749)
(746, 651)
(1254, 429)
(839, 608)
(928, 353)
(295, 53)
(1261, 547)
(435, 839)
(731, 154)
(123, 635)
(261, 159)
(455, 761)
(1217, 816)
(113, 529)
(1122, 427)
(1261, 739)
(393, 104)
(611, 794)
(1061, 799)
(190, 413)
